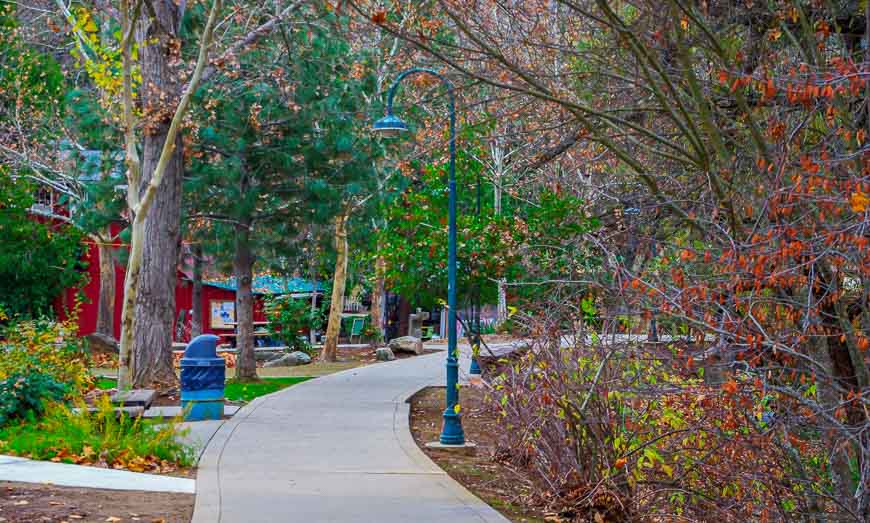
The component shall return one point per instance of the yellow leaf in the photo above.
(668, 470)
(859, 201)
(457, 408)
(91, 27)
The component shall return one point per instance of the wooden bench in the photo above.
(134, 398)
(133, 412)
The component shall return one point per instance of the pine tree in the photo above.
(279, 146)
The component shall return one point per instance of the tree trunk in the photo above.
(131, 287)
(312, 333)
(333, 327)
(243, 269)
(196, 301)
(498, 157)
(106, 305)
(155, 306)
(378, 297)
(502, 313)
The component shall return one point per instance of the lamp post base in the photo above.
(475, 367)
(451, 431)
(467, 448)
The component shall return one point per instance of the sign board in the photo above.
(221, 313)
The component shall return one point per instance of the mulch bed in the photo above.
(491, 481)
(29, 502)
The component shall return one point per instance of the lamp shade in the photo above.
(390, 125)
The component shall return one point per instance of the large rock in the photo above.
(407, 344)
(266, 355)
(385, 354)
(289, 360)
(102, 343)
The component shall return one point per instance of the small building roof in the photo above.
(269, 284)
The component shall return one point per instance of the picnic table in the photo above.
(261, 335)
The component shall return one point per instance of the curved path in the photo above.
(334, 449)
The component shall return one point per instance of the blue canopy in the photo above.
(268, 284)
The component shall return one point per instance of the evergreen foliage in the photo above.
(281, 146)
(38, 259)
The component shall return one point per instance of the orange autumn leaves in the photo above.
(859, 202)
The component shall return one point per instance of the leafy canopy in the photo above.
(38, 259)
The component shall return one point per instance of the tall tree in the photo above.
(150, 51)
(277, 151)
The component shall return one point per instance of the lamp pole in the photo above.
(451, 431)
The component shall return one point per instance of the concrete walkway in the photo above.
(335, 449)
(46, 472)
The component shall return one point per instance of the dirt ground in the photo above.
(32, 503)
(480, 473)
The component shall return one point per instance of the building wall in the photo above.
(89, 293)
(184, 301)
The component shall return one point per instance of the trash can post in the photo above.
(203, 373)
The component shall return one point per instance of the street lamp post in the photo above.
(451, 432)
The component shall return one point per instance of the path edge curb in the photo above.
(402, 430)
(207, 505)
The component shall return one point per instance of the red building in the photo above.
(217, 303)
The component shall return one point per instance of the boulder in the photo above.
(303, 358)
(102, 343)
(289, 360)
(385, 354)
(266, 355)
(407, 344)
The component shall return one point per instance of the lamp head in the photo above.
(390, 125)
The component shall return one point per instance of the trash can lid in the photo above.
(204, 346)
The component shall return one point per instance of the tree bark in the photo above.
(312, 333)
(106, 305)
(131, 287)
(498, 160)
(339, 280)
(155, 306)
(196, 301)
(378, 295)
(151, 361)
(243, 269)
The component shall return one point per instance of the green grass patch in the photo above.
(106, 383)
(246, 391)
(235, 390)
(97, 437)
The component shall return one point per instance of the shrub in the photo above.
(38, 259)
(621, 432)
(25, 396)
(44, 347)
(288, 319)
(99, 438)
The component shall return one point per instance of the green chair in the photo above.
(356, 329)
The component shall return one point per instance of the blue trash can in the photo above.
(202, 380)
